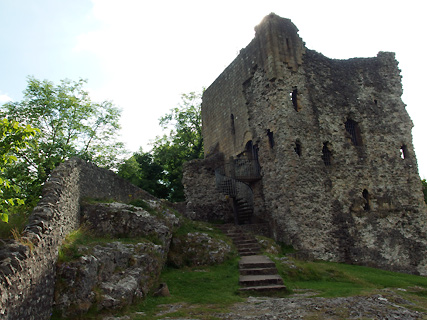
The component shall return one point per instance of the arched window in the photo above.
(353, 129)
(326, 154)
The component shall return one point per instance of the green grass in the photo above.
(340, 280)
(190, 226)
(203, 292)
(84, 237)
(200, 291)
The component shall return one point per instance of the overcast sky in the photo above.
(143, 55)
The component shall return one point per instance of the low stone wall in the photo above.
(27, 267)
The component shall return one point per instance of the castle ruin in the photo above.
(319, 149)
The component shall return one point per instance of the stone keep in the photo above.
(332, 141)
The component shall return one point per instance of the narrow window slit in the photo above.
(353, 129)
(298, 148)
(365, 195)
(403, 152)
(233, 130)
(294, 99)
(326, 154)
(270, 138)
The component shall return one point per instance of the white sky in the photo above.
(144, 54)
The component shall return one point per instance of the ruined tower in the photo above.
(325, 147)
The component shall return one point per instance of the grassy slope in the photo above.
(202, 292)
(205, 291)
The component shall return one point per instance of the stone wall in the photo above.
(27, 267)
(204, 201)
(329, 136)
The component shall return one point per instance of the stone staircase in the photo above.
(257, 272)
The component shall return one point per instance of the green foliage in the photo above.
(145, 172)
(184, 142)
(14, 137)
(424, 183)
(69, 124)
(160, 171)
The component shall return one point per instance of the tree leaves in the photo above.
(13, 138)
(68, 124)
(163, 165)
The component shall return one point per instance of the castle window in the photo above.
(326, 154)
(298, 148)
(270, 138)
(403, 152)
(233, 130)
(353, 129)
(365, 195)
(294, 99)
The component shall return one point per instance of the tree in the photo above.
(143, 171)
(163, 165)
(13, 138)
(184, 142)
(69, 124)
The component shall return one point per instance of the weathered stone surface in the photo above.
(107, 276)
(196, 249)
(268, 245)
(205, 202)
(112, 275)
(27, 273)
(384, 305)
(122, 220)
(333, 141)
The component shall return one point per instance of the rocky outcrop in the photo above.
(113, 274)
(198, 248)
(108, 276)
(122, 220)
(27, 266)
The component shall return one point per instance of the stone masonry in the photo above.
(28, 265)
(332, 138)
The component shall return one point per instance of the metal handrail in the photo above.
(234, 188)
(243, 169)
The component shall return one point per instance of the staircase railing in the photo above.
(241, 193)
(243, 169)
(225, 184)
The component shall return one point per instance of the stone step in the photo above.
(248, 253)
(270, 288)
(260, 280)
(258, 271)
(247, 245)
(256, 261)
(248, 248)
(242, 243)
